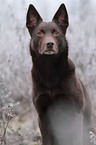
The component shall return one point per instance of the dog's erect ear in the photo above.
(33, 18)
(61, 17)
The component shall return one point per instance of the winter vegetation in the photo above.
(18, 119)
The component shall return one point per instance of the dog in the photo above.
(59, 96)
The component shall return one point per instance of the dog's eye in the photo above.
(56, 33)
(40, 33)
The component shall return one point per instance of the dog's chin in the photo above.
(49, 52)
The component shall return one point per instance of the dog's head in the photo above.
(47, 38)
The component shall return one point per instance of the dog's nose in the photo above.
(50, 44)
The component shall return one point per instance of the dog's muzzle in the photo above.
(49, 47)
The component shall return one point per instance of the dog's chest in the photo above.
(64, 93)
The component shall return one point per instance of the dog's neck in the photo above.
(49, 63)
(49, 69)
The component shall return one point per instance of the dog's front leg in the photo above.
(45, 131)
(42, 103)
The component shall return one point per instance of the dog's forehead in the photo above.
(48, 26)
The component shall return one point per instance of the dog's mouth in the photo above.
(49, 52)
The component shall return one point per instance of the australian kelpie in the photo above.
(60, 98)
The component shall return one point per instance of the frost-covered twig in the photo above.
(3, 139)
(92, 137)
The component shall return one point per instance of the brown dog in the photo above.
(60, 98)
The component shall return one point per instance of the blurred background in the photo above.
(18, 119)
